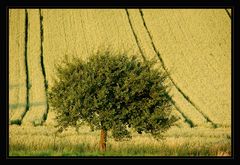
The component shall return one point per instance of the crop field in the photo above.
(193, 45)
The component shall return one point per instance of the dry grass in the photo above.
(177, 142)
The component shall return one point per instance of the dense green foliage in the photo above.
(112, 92)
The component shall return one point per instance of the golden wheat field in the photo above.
(193, 45)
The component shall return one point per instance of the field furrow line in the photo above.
(208, 48)
(173, 82)
(142, 42)
(186, 119)
(36, 115)
(135, 36)
(206, 63)
(87, 31)
(17, 119)
(42, 63)
(228, 13)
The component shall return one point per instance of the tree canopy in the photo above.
(112, 92)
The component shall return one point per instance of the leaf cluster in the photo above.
(112, 92)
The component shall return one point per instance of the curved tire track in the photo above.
(186, 119)
(164, 67)
(42, 63)
(228, 13)
(19, 122)
(135, 35)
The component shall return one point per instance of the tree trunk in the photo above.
(103, 140)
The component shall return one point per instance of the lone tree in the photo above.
(112, 93)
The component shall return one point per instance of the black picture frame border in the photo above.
(5, 5)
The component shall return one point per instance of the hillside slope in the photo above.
(194, 45)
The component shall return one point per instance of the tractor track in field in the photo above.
(173, 82)
(186, 119)
(135, 35)
(42, 63)
(228, 13)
